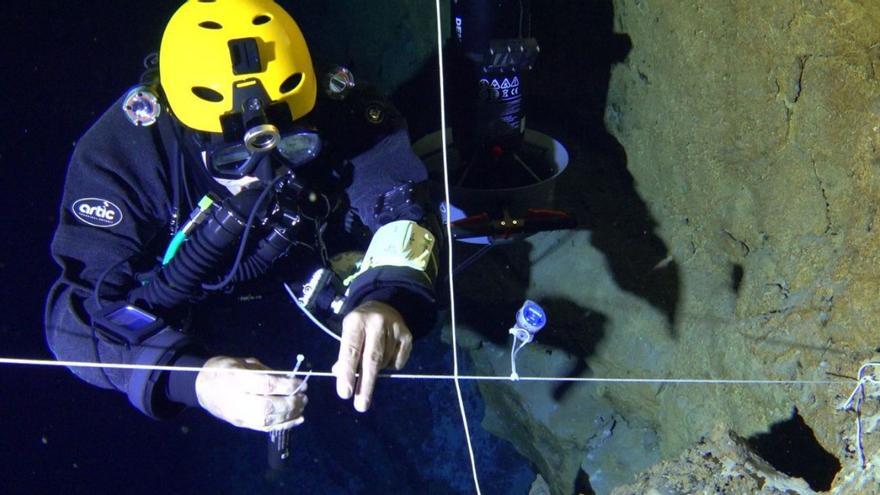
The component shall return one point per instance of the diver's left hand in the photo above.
(374, 336)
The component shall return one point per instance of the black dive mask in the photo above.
(236, 160)
(255, 129)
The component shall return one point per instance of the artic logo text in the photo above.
(97, 212)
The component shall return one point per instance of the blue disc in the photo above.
(531, 317)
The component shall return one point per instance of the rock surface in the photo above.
(722, 463)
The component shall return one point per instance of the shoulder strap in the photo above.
(168, 146)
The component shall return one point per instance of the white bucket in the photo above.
(515, 201)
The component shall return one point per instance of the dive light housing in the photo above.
(491, 56)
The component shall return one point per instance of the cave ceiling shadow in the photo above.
(566, 99)
(571, 85)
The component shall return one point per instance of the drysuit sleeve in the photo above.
(115, 205)
(388, 166)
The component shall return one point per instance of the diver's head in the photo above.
(239, 69)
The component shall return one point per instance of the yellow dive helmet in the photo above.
(210, 48)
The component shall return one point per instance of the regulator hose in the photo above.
(198, 259)
(184, 276)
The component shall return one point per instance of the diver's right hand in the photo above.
(258, 401)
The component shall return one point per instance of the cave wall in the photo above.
(750, 132)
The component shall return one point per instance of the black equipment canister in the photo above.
(491, 55)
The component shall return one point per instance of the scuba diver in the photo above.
(233, 168)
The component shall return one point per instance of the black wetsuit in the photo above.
(123, 187)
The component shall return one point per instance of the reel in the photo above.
(530, 319)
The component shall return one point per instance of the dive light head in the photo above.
(141, 106)
(337, 82)
(261, 138)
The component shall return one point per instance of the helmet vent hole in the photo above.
(210, 25)
(207, 94)
(291, 82)
(261, 19)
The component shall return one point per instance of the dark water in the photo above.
(63, 64)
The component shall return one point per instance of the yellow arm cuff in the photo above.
(402, 243)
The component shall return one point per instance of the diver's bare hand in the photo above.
(258, 401)
(374, 336)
